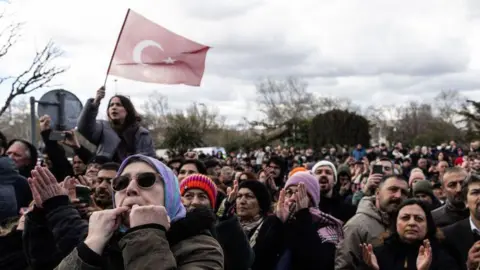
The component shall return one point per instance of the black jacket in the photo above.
(12, 256)
(52, 232)
(458, 241)
(395, 254)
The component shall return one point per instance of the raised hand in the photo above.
(101, 226)
(424, 258)
(100, 95)
(232, 193)
(369, 257)
(301, 198)
(71, 139)
(44, 185)
(149, 214)
(281, 211)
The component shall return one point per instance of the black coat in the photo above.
(52, 232)
(337, 208)
(395, 254)
(12, 256)
(458, 241)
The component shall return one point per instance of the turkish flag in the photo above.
(147, 52)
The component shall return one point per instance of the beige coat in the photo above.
(366, 226)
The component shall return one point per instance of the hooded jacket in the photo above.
(14, 190)
(367, 225)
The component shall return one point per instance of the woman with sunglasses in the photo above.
(148, 228)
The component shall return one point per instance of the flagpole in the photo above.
(115, 49)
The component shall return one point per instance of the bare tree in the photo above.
(39, 74)
(284, 100)
(448, 104)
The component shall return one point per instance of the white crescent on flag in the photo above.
(137, 51)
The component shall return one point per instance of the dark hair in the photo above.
(98, 160)
(211, 163)
(431, 227)
(250, 175)
(472, 179)
(200, 166)
(132, 115)
(110, 166)
(396, 176)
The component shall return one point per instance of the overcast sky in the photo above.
(373, 51)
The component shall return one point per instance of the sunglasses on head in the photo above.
(144, 180)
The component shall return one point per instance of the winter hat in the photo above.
(297, 169)
(202, 182)
(326, 163)
(415, 174)
(261, 193)
(423, 186)
(310, 182)
(173, 203)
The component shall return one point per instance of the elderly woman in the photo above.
(414, 243)
(308, 231)
(148, 228)
(251, 203)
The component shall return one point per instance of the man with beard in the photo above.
(371, 220)
(463, 238)
(373, 180)
(103, 185)
(454, 209)
(330, 201)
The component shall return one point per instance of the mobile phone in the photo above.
(83, 194)
(56, 136)
(377, 169)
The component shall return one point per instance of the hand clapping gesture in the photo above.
(281, 210)
(232, 193)
(424, 258)
(44, 185)
(369, 257)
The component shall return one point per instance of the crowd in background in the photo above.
(276, 207)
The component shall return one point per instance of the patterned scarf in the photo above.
(330, 230)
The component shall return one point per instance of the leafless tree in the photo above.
(448, 104)
(283, 100)
(40, 72)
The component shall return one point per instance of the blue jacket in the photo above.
(14, 190)
(359, 154)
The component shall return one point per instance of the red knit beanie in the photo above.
(202, 182)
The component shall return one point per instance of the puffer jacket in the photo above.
(101, 134)
(367, 225)
(187, 245)
(14, 190)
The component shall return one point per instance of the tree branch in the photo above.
(38, 75)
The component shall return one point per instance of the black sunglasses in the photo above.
(144, 180)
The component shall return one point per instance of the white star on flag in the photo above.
(169, 60)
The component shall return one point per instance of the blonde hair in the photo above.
(9, 225)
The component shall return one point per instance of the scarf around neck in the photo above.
(330, 229)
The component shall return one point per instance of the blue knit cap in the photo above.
(173, 203)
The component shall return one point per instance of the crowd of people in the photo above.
(279, 208)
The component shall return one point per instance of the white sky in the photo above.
(373, 51)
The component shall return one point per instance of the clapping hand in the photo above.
(44, 185)
(424, 258)
(369, 257)
(232, 193)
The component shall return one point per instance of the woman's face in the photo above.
(440, 156)
(412, 223)
(247, 204)
(116, 111)
(262, 177)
